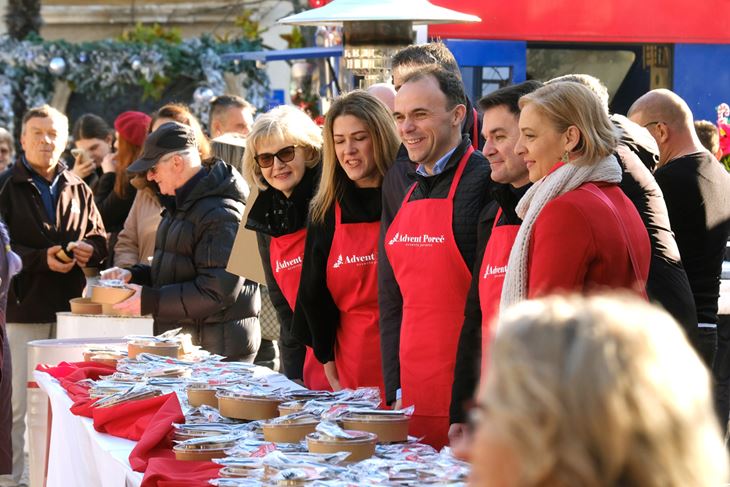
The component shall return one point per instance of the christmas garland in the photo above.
(108, 68)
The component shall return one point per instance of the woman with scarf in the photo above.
(337, 306)
(579, 232)
(282, 159)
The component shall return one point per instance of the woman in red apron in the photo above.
(282, 158)
(337, 305)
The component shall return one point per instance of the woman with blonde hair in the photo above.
(337, 306)
(595, 392)
(579, 232)
(282, 160)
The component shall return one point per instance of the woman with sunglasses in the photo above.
(337, 306)
(282, 159)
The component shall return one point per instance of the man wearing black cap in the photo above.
(187, 284)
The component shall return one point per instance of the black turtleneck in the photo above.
(316, 316)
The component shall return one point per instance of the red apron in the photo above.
(286, 253)
(434, 281)
(491, 278)
(352, 280)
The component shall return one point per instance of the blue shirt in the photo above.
(48, 190)
(438, 168)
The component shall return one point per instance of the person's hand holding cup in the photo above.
(116, 273)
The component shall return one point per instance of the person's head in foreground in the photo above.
(601, 391)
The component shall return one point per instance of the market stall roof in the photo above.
(417, 11)
(619, 21)
(285, 54)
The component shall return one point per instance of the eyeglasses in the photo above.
(153, 169)
(284, 155)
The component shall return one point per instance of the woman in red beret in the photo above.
(114, 194)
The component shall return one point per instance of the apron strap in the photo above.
(338, 213)
(475, 129)
(460, 171)
(496, 219)
(593, 189)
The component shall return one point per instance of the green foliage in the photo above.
(250, 28)
(150, 34)
(294, 39)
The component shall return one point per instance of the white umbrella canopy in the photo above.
(416, 11)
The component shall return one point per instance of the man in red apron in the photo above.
(430, 247)
(498, 226)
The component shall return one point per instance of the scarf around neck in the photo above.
(562, 180)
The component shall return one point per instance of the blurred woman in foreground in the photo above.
(599, 392)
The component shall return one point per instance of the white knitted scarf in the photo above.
(564, 179)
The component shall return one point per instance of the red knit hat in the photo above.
(133, 126)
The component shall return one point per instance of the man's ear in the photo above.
(459, 114)
(663, 132)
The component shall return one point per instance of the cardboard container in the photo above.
(389, 429)
(199, 454)
(162, 349)
(290, 407)
(84, 306)
(103, 358)
(360, 448)
(247, 407)
(110, 295)
(197, 396)
(290, 432)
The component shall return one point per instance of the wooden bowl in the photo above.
(292, 431)
(110, 295)
(247, 407)
(162, 349)
(109, 310)
(197, 396)
(389, 429)
(84, 306)
(360, 448)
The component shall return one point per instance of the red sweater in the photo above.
(578, 245)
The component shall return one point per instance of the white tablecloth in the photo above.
(80, 456)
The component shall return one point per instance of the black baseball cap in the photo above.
(169, 137)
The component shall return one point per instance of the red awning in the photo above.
(622, 21)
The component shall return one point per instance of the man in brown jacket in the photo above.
(46, 207)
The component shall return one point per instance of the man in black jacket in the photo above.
(500, 128)
(45, 207)
(187, 284)
(423, 245)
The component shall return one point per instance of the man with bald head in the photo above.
(697, 192)
(384, 92)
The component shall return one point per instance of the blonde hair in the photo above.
(566, 104)
(286, 124)
(602, 391)
(381, 128)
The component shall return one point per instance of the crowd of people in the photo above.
(414, 243)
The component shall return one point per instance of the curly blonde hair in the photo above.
(602, 391)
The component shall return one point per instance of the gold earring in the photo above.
(566, 157)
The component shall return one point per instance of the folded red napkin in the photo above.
(165, 472)
(156, 441)
(131, 419)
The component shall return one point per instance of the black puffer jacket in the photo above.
(472, 195)
(190, 285)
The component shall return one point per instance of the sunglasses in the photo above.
(284, 155)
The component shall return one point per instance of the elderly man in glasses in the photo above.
(187, 284)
